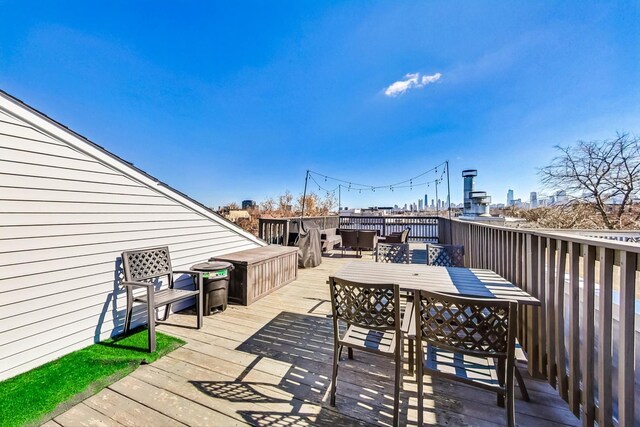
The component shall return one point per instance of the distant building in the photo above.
(235, 215)
(247, 204)
(561, 196)
(510, 197)
(533, 200)
(476, 203)
(420, 205)
(426, 201)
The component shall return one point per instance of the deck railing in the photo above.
(276, 230)
(425, 228)
(583, 339)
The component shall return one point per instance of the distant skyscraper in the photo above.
(420, 206)
(426, 202)
(510, 197)
(533, 200)
(246, 204)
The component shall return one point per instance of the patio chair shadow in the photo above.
(234, 391)
(306, 343)
(324, 418)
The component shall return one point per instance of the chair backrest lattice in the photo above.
(371, 306)
(144, 264)
(397, 253)
(467, 325)
(445, 255)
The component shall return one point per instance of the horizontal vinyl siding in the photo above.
(65, 218)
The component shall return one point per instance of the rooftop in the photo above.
(270, 363)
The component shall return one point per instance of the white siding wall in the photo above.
(65, 217)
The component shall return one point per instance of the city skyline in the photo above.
(230, 103)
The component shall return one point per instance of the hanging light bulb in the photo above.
(325, 179)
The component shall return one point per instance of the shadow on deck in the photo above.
(270, 364)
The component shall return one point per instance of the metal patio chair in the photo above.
(397, 253)
(445, 255)
(147, 268)
(371, 313)
(469, 340)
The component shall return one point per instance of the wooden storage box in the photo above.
(260, 271)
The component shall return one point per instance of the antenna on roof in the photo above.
(304, 195)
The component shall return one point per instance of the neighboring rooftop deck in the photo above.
(270, 364)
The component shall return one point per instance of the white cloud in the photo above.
(411, 81)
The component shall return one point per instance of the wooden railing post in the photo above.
(550, 310)
(574, 328)
(532, 312)
(626, 377)
(605, 322)
(588, 336)
(559, 314)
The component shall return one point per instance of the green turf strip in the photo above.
(50, 389)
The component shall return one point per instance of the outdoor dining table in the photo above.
(468, 282)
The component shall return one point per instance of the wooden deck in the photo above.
(270, 364)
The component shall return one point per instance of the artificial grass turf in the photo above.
(33, 396)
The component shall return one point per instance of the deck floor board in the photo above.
(270, 364)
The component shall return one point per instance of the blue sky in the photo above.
(229, 101)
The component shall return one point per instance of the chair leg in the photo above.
(509, 392)
(522, 385)
(167, 310)
(411, 355)
(151, 318)
(337, 349)
(420, 385)
(350, 353)
(501, 377)
(396, 391)
(129, 313)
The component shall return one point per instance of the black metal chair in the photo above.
(445, 255)
(397, 253)
(464, 338)
(146, 268)
(371, 313)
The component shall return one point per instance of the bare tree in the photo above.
(285, 203)
(605, 173)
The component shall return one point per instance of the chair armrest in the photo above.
(197, 276)
(136, 284)
(408, 324)
(189, 272)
